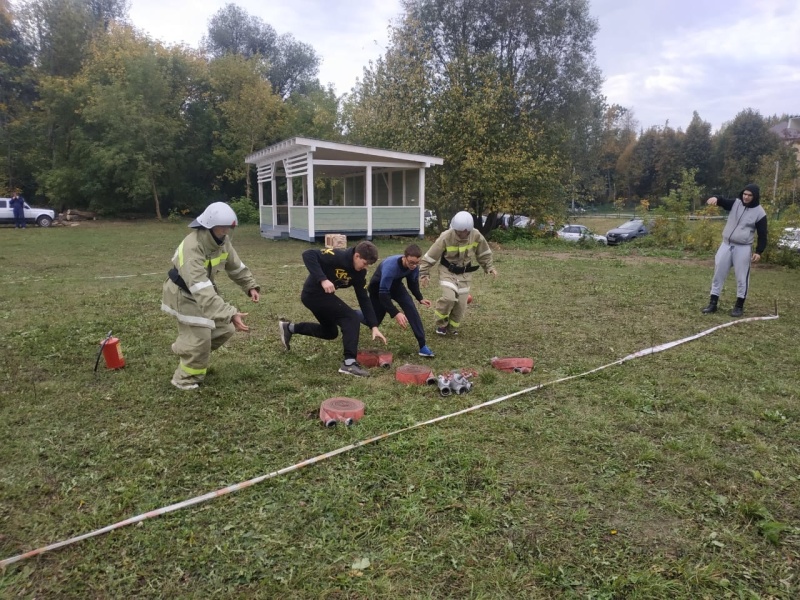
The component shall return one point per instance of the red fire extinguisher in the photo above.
(112, 353)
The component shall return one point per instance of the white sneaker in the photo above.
(184, 386)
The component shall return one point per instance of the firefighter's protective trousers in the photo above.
(450, 307)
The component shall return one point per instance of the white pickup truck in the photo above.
(43, 217)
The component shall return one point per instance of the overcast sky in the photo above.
(662, 58)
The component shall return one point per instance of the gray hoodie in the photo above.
(745, 220)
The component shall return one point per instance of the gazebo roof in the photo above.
(340, 154)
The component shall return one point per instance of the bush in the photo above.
(177, 216)
(246, 210)
(504, 236)
(705, 235)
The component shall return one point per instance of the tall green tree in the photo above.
(61, 31)
(619, 131)
(252, 116)
(504, 91)
(492, 163)
(637, 165)
(17, 93)
(131, 95)
(778, 175)
(740, 146)
(291, 64)
(392, 105)
(668, 160)
(697, 149)
(314, 113)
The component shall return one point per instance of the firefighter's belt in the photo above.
(175, 278)
(458, 270)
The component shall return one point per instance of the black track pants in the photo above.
(333, 314)
(400, 295)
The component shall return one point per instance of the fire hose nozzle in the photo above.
(460, 384)
(330, 423)
(431, 380)
(444, 385)
(457, 388)
(349, 421)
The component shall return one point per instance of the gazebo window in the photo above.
(380, 189)
(299, 191)
(266, 194)
(329, 191)
(354, 191)
(397, 188)
(412, 188)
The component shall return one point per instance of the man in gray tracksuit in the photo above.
(746, 218)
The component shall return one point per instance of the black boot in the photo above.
(712, 305)
(738, 310)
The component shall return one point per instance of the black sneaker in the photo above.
(441, 330)
(286, 335)
(354, 369)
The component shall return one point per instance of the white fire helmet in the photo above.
(461, 221)
(217, 214)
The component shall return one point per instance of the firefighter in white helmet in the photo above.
(205, 320)
(459, 251)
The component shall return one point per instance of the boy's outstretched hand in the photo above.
(376, 333)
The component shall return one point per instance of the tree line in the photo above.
(95, 114)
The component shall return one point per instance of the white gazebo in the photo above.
(308, 187)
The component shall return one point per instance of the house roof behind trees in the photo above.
(788, 130)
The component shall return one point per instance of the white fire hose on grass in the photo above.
(310, 461)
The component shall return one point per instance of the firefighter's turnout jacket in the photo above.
(457, 260)
(190, 295)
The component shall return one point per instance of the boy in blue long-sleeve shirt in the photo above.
(386, 285)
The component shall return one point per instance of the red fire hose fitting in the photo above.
(374, 358)
(414, 375)
(340, 409)
(513, 365)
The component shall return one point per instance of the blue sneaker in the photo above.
(426, 352)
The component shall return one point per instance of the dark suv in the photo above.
(626, 232)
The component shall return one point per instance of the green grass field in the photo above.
(676, 475)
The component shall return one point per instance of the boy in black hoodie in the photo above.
(329, 270)
(747, 217)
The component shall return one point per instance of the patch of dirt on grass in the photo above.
(662, 533)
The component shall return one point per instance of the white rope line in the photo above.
(126, 276)
(98, 277)
(319, 458)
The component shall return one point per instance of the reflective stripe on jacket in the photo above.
(198, 259)
(475, 249)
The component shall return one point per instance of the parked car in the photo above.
(578, 233)
(790, 239)
(626, 232)
(43, 217)
(521, 221)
